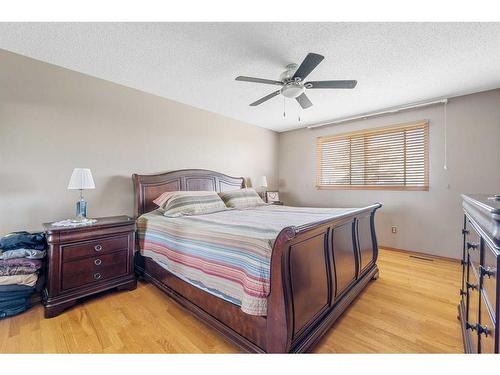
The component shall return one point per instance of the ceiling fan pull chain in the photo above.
(284, 108)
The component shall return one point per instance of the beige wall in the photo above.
(427, 221)
(53, 119)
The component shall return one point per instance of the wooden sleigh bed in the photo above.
(317, 270)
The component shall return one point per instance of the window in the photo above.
(393, 158)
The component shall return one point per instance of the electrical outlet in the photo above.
(394, 229)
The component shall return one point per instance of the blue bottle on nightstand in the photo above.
(81, 208)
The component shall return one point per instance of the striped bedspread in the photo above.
(225, 253)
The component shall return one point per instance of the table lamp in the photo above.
(263, 184)
(81, 179)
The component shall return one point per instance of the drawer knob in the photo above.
(98, 247)
(97, 276)
(97, 262)
(471, 245)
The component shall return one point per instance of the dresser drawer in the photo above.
(473, 272)
(473, 280)
(94, 269)
(487, 329)
(489, 274)
(94, 248)
(473, 247)
(473, 316)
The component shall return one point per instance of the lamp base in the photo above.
(81, 209)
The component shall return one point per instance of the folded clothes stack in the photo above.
(21, 255)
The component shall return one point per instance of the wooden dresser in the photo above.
(480, 293)
(86, 260)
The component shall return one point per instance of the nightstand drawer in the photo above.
(94, 248)
(89, 270)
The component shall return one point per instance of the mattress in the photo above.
(228, 253)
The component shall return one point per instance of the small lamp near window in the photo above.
(263, 184)
(81, 179)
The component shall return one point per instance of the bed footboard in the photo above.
(317, 270)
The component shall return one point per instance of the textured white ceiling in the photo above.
(196, 63)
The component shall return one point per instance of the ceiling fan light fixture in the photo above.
(292, 90)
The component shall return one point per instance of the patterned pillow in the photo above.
(180, 203)
(242, 198)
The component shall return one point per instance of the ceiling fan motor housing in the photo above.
(288, 73)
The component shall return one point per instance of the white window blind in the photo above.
(390, 158)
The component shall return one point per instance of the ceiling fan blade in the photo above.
(265, 98)
(304, 101)
(331, 84)
(311, 61)
(259, 80)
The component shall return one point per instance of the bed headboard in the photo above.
(148, 187)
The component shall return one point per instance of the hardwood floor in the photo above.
(411, 308)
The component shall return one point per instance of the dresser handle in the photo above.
(483, 330)
(97, 276)
(471, 286)
(98, 247)
(472, 327)
(472, 246)
(97, 262)
(487, 271)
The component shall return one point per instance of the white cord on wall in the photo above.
(445, 166)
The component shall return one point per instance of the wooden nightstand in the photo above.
(82, 261)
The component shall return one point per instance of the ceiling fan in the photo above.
(293, 85)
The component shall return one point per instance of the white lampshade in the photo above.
(263, 181)
(81, 178)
